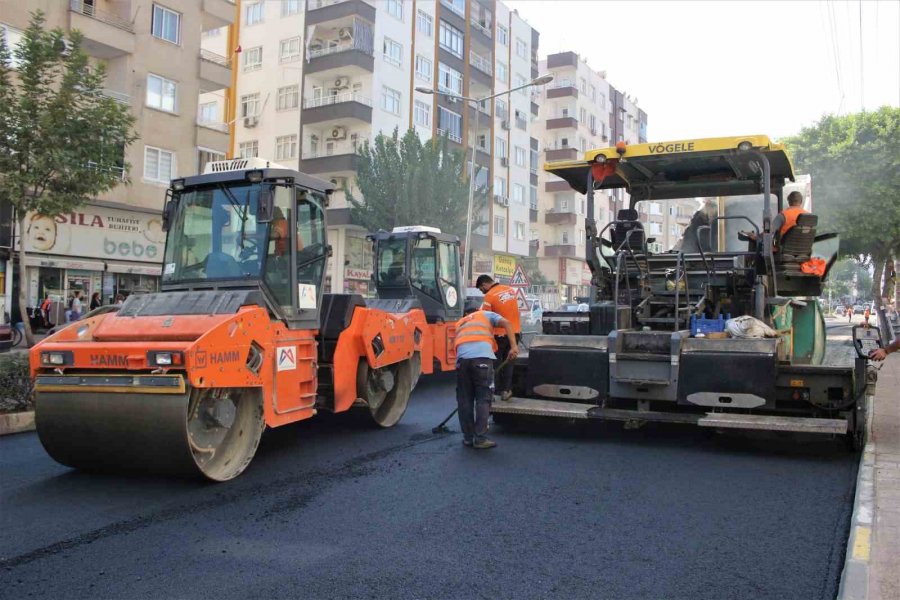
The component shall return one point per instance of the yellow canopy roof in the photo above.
(683, 168)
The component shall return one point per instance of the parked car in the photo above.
(574, 307)
(532, 313)
(859, 309)
(97, 311)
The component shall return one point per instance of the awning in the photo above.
(134, 268)
(62, 262)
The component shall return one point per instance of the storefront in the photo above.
(92, 250)
(350, 266)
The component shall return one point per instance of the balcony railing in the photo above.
(216, 125)
(450, 135)
(460, 10)
(117, 96)
(214, 58)
(480, 63)
(345, 47)
(314, 4)
(89, 10)
(483, 28)
(337, 99)
(561, 83)
(119, 172)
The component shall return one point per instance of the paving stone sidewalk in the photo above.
(884, 569)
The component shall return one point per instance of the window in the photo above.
(655, 208)
(289, 49)
(582, 115)
(250, 105)
(564, 238)
(674, 229)
(655, 228)
(564, 205)
(581, 236)
(209, 112)
(450, 123)
(499, 186)
(457, 6)
(499, 226)
(424, 68)
(12, 38)
(290, 7)
(390, 100)
(501, 147)
(521, 48)
(395, 9)
(393, 52)
(451, 39)
(520, 156)
(206, 156)
(160, 93)
(502, 35)
(249, 149)
(673, 210)
(502, 110)
(520, 81)
(253, 13)
(286, 147)
(449, 80)
(159, 164)
(518, 194)
(166, 24)
(583, 208)
(593, 93)
(288, 97)
(520, 230)
(502, 72)
(424, 23)
(583, 85)
(422, 114)
(532, 197)
(253, 58)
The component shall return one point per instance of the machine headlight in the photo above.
(55, 359)
(165, 358)
(744, 146)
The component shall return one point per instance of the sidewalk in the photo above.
(884, 565)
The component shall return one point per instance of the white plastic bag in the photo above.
(748, 327)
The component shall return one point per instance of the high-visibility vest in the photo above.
(502, 300)
(475, 327)
(790, 215)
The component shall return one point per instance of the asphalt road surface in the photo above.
(332, 508)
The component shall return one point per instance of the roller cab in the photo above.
(241, 337)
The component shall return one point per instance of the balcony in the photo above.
(533, 216)
(450, 135)
(215, 71)
(562, 250)
(562, 217)
(562, 91)
(561, 154)
(481, 31)
(561, 60)
(557, 186)
(321, 11)
(353, 58)
(562, 123)
(319, 164)
(349, 105)
(119, 97)
(533, 247)
(212, 135)
(217, 13)
(481, 63)
(106, 34)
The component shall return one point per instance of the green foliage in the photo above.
(59, 136)
(404, 181)
(854, 161)
(844, 274)
(16, 389)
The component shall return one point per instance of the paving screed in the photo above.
(334, 509)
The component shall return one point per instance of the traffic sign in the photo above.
(520, 299)
(519, 279)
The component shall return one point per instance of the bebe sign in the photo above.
(97, 232)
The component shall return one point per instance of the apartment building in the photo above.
(317, 79)
(155, 64)
(580, 110)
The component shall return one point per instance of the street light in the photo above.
(542, 80)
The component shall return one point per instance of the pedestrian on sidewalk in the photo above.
(475, 353)
(95, 300)
(866, 314)
(503, 300)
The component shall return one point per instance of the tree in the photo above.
(60, 137)
(404, 181)
(854, 161)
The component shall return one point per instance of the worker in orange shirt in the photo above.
(786, 219)
(501, 299)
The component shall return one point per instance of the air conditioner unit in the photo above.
(339, 133)
(250, 122)
(345, 33)
(501, 200)
(504, 161)
(339, 182)
(342, 83)
(505, 125)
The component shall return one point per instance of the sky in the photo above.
(704, 69)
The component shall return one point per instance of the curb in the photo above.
(855, 576)
(16, 422)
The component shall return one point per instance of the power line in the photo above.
(862, 86)
(835, 49)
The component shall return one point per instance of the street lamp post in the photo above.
(542, 80)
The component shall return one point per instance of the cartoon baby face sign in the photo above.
(42, 234)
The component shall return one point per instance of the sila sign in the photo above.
(97, 232)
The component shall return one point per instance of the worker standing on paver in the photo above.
(475, 354)
(502, 300)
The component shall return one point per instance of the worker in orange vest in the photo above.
(786, 219)
(475, 347)
(502, 300)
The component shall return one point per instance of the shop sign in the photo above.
(482, 264)
(363, 274)
(97, 232)
(504, 266)
(572, 271)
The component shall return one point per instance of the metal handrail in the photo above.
(482, 28)
(337, 99)
(345, 47)
(89, 10)
(480, 63)
(117, 96)
(214, 58)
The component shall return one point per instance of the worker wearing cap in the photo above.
(502, 300)
(475, 348)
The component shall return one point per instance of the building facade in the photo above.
(315, 80)
(579, 110)
(155, 64)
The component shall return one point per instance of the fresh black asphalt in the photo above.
(332, 508)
